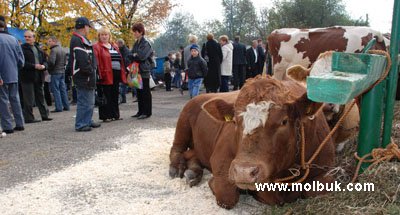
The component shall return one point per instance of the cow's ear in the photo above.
(303, 107)
(219, 110)
(298, 73)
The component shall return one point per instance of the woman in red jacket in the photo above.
(111, 71)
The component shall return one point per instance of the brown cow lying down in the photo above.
(259, 145)
(348, 130)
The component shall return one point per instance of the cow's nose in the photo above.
(245, 172)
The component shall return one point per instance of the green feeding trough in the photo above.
(349, 76)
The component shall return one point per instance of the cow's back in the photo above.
(292, 46)
(196, 130)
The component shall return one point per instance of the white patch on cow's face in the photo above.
(256, 115)
(355, 34)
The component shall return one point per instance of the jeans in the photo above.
(59, 92)
(122, 91)
(177, 80)
(194, 86)
(224, 84)
(9, 93)
(84, 107)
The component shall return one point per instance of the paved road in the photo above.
(47, 147)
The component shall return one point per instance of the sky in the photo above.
(379, 12)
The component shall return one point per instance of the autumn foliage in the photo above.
(57, 17)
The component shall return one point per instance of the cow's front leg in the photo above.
(194, 171)
(178, 164)
(226, 193)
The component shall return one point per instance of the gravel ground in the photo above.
(47, 147)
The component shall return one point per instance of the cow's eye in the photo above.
(284, 122)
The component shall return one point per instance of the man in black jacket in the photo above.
(261, 54)
(239, 63)
(32, 79)
(82, 66)
(252, 57)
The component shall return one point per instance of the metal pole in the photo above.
(371, 121)
(393, 75)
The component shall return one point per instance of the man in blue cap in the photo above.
(82, 65)
(197, 70)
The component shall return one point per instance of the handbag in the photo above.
(133, 78)
(100, 100)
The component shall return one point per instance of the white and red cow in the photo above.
(293, 46)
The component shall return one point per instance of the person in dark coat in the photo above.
(82, 65)
(252, 58)
(124, 50)
(168, 68)
(239, 63)
(142, 52)
(212, 53)
(197, 70)
(32, 79)
(261, 54)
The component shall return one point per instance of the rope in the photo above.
(387, 70)
(307, 165)
(378, 155)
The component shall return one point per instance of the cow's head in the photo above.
(267, 116)
(323, 65)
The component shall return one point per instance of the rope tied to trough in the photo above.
(378, 155)
(388, 155)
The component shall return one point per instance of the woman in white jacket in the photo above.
(226, 65)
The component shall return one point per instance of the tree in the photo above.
(310, 14)
(176, 33)
(57, 17)
(240, 18)
(263, 23)
(119, 15)
(45, 17)
(212, 26)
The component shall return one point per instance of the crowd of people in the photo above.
(218, 64)
(98, 73)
